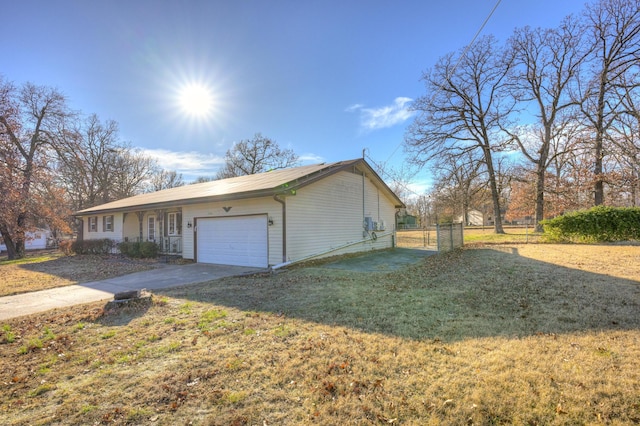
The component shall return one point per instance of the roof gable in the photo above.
(249, 186)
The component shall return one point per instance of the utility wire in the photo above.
(459, 59)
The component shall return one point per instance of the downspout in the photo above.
(364, 233)
(284, 226)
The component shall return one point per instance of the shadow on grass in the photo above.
(469, 293)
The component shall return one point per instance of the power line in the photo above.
(461, 56)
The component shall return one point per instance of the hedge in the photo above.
(102, 246)
(598, 224)
(144, 249)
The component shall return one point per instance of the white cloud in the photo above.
(385, 116)
(354, 107)
(190, 164)
(311, 158)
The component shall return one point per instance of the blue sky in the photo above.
(324, 78)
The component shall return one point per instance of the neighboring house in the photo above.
(34, 240)
(474, 218)
(477, 218)
(258, 220)
(406, 220)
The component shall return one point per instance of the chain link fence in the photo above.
(450, 236)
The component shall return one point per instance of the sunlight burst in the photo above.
(196, 100)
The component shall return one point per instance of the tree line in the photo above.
(54, 161)
(546, 122)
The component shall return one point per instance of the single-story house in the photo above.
(34, 240)
(258, 220)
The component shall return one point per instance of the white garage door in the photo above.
(240, 240)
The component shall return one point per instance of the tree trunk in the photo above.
(8, 242)
(495, 194)
(539, 199)
(540, 179)
(598, 187)
(20, 236)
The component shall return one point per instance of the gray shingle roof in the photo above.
(262, 184)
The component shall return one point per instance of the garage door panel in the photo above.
(238, 241)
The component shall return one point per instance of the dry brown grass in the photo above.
(41, 270)
(513, 334)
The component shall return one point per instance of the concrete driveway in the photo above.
(163, 277)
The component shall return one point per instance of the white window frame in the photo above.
(172, 221)
(108, 223)
(151, 228)
(92, 224)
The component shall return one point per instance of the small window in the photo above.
(93, 224)
(151, 234)
(107, 223)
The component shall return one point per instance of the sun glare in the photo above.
(196, 100)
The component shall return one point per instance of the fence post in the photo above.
(451, 236)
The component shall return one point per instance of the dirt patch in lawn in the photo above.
(49, 269)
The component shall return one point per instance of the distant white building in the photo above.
(34, 240)
(474, 218)
(477, 218)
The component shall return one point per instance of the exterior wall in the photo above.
(116, 234)
(321, 218)
(34, 240)
(130, 227)
(266, 205)
(330, 213)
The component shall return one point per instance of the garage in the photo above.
(235, 240)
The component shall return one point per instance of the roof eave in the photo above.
(178, 203)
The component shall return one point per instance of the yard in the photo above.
(492, 334)
(44, 269)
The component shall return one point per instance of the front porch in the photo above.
(162, 227)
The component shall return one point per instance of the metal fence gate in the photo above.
(450, 236)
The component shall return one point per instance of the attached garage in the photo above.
(235, 240)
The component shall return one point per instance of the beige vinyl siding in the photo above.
(265, 205)
(116, 234)
(330, 213)
(130, 228)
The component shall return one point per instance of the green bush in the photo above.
(129, 249)
(149, 249)
(145, 249)
(598, 224)
(101, 246)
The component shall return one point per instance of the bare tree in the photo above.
(131, 171)
(459, 180)
(626, 138)
(31, 121)
(96, 166)
(203, 179)
(256, 155)
(165, 179)
(465, 110)
(614, 28)
(87, 160)
(546, 65)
